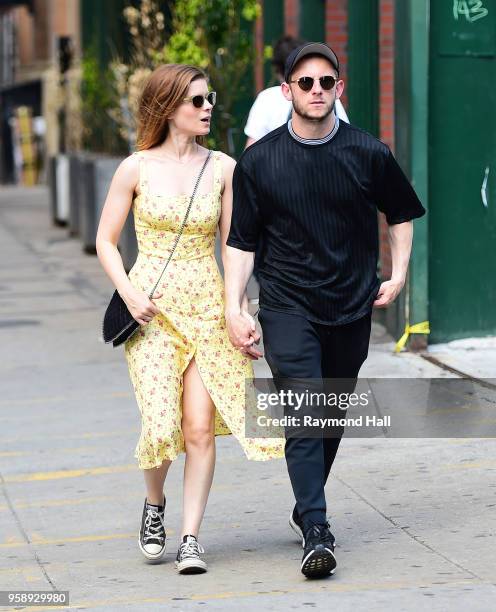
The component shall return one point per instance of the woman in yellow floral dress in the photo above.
(188, 379)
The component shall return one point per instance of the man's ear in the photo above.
(339, 89)
(286, 91)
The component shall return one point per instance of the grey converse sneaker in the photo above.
(152, 532)
(188, 559)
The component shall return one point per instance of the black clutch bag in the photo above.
(118, 323)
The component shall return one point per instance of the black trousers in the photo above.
(298, 348)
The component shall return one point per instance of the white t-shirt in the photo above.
(271, 109)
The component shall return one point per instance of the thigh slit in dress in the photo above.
(191, 324)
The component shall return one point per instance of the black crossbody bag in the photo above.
(118, 323)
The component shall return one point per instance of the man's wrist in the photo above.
(232, 311)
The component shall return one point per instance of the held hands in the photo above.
(140, 306)
(242, 333)
(388, 292)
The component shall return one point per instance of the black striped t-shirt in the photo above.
(315, 208)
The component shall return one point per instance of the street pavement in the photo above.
(414, 518)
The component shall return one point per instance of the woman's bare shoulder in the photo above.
(130, 162)
(127, 172)
(228, 163)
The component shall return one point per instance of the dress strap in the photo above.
(142, 172)
(217, 170)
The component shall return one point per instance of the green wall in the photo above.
(312, 20)
(363, 64)
(273, 30)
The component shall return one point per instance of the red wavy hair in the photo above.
(162, 94)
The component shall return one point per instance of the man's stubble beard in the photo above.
(304, 115)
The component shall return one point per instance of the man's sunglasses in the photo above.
(199, 101)
(306, 83)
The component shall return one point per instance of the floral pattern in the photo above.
(191, 323)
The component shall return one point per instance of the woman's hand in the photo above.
(141, 307)
(242, 333)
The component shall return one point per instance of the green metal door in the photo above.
(462, 169)
(312, 20)
(363, 64)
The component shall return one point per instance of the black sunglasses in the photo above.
(306, 83)
(199, 100)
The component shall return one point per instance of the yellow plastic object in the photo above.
(418, 328)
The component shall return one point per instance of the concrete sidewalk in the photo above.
(414, 518)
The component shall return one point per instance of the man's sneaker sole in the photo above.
(150, 556)
(296, 528)
(191, 566)
(319, 563)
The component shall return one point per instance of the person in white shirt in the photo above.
(271, 109)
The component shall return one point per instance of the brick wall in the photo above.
(292, 17)
(42, 39)
(386, 109)
(386, 71)
(337, 35)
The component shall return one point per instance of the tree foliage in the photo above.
(97, 101)
(215, 35)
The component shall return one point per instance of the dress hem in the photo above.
(248, 455)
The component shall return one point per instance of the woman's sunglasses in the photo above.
(199, 101)
(306, 83)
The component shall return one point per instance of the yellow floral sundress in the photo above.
(191, 323)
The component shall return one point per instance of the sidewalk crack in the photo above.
(24, 534)
(409, 534)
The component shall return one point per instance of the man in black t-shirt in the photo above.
(311, 190)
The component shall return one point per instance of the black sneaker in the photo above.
(318, 556)
(152, 532)
(188, 559)
(296, 525)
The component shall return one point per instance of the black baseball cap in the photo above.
(311, 48)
